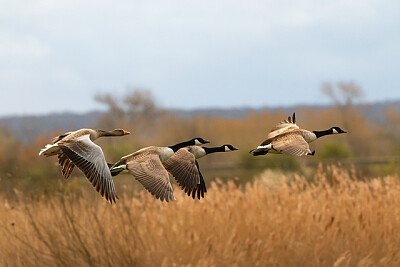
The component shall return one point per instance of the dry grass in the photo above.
(336, 221)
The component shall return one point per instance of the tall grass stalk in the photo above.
(338, 219)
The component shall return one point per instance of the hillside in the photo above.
(27, 128)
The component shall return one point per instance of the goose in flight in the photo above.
(287, 138)
(146, 165)
(77, 148)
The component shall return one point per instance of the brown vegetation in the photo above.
(293, 215)
(336, 220)
(20, 166)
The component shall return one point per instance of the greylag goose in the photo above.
(77, 148)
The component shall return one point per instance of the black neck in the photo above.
(183, 144)
(210, 150)
(322, 133)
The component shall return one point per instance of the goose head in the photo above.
(337, 130)
(192, 142)
(223, 148)
(120, 132)
(229, 148)
(199, 141)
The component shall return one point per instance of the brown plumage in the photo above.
(147, 166)
(184, 167)
(67, 166)
(287, 138)
(291, 143)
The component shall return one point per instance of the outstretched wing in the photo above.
(150, 172)
(182, 165)
(201, 189)
(89, 158)
(292, 143)
(66, 165)
(284, 126)
(60, 137)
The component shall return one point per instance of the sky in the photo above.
(55, 56)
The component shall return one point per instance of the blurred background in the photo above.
(226, 71)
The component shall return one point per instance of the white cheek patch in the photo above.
(334, 131)
(120, 167)
(227, 149)
(196, 142)
(269, 146)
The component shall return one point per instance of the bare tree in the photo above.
(141, 104)
(137, 108)
(343, 94)
(114, 110)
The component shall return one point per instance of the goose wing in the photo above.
(150, 172)
(89, 158)
(284, 126)
(66, 165)
(182, 165)
(200, 190)
(291, 144)
(60, 137)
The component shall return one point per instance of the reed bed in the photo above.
(337, 219)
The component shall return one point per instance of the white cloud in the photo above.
(22, 47)
(176, 46)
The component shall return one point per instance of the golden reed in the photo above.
(336, 220)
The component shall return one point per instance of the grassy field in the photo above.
(338, 219)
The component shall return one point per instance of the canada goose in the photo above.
(287, 138)
(77, 148)
(146, 165)
(184, 167)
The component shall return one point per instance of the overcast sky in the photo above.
(56, 55)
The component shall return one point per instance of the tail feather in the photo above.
(50, 150)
